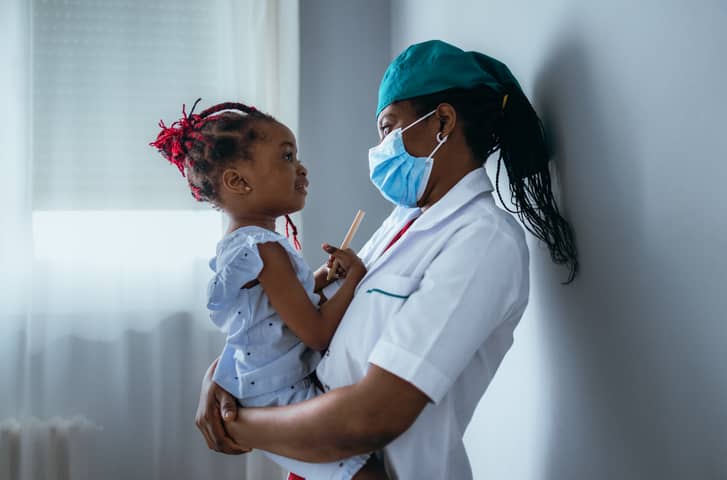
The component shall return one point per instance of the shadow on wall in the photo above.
(607, 420)
(636, 344)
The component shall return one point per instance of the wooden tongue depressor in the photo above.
(347, 241)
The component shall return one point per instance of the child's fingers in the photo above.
(343, 257)
(339, 260)
(328, 248)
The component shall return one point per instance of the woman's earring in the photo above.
(440, 139)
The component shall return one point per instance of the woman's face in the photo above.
(420, 139)
(451, 160)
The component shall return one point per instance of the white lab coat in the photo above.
(438, 309)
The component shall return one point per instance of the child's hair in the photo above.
(509, 124)
(200, 145)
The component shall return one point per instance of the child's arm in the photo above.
(288, 297)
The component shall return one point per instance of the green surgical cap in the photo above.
(433, 66)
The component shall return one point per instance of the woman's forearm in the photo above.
(323, 429)
(347, 421)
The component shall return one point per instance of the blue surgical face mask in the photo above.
(400, 177)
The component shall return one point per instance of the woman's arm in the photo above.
(346, 421)
(288, 297)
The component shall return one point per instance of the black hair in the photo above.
(492, 121)
(200, 145)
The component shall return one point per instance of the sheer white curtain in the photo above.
(103, 253)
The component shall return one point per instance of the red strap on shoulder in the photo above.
(293, 476)
(399, 235)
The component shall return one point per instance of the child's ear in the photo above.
(233, 181)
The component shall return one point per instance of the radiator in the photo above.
(53, 449)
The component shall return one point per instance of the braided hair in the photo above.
(201, 145)
(508, 123)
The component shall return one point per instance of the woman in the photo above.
(447, 277)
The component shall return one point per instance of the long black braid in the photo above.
(494, 121)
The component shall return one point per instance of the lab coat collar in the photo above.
(471, 185)
(474, 183)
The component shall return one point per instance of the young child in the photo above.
(263, 294)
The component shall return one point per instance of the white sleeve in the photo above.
(467, 291)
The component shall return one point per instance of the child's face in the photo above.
(275, 181)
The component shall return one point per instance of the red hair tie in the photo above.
(196, 191)
(173, 142)
(289, 223)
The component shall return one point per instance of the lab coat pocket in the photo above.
(376, 302)
(389, 290)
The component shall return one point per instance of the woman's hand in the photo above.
(214, 402)
(349, 264)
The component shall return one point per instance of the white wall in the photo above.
(622, 374)
(344, 50)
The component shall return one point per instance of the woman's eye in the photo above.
(385, 130)
(288, 156)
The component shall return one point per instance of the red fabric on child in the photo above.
(293, 476)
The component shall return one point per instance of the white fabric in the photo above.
(340, 470)
(103, 253)
(437, 309)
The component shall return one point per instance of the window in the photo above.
(104, 73)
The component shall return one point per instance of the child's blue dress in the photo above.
(263, 363)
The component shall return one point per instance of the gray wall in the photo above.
(622, 374)
(344, 50)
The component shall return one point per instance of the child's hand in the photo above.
(349, 265)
